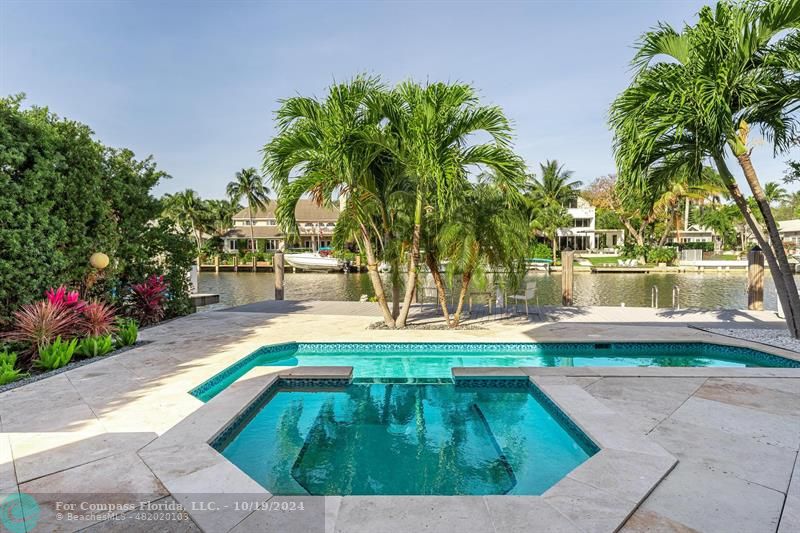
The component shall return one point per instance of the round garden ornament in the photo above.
(99, 260)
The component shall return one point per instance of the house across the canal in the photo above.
(315, 223)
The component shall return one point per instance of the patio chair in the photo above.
(429, 292)
(529, 294)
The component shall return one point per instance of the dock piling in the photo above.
(755, 279)
(278, 267)
(567, 279)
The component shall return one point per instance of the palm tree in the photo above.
(722, 219)
(331, 149)
(430, 129)
(775, 194)
(548, 199)
(189, 211)
(736, 67)
(685, 187)
(555, 184)
(221, 215)
(488, 231)
(249, 184)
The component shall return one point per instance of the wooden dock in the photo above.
(625, 270)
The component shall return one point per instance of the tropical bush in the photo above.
(8, 370)
(705, 246)
(97, 318)
(661, 254)
(56, 354)
(127, 333)
(38, 323)
(66, 196)
(95, 346)
(540, 250)
(148, 300)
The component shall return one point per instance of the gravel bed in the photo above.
(429, 326)
(75, 364)
(778, 338)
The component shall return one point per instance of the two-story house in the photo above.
(315, 223)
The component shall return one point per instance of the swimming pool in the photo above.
(432, 362)
(405, 439)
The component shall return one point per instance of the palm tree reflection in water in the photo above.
(405, 439)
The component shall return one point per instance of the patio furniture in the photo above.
(429, 291)
(529, 294)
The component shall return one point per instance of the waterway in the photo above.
(707, 291)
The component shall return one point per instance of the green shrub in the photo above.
(705, 246)
(8, 370)
(65, 196)
(540, 250)
(56, 354)
(663, 254)
(127, 333)
(95, 346)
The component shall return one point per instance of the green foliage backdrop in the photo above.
(65, 196)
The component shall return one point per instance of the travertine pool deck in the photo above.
(93, 431)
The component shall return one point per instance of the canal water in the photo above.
(707, 291)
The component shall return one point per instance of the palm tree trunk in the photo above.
(637, 235)
(411, 281)
(375, 278)
(553, 242)
(777, 243)
(441, 294)
(196, 238)
(466, 278)
(667, 230)
(252, 230)
(791, 313)
(395, 289)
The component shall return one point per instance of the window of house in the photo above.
(582, 222)
(271, 222)
(231, 245)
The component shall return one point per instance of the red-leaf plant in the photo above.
(148, 300)
(97, 318)
(40, 323)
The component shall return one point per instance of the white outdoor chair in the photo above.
(529, 294)
(429, 293)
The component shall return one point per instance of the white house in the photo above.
(583, 235)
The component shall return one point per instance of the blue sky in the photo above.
(196, 83)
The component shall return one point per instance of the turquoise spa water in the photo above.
(431, 362)
(402, 439)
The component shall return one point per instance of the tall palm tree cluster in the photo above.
(695, 96)
(424, 172)
(213, 217)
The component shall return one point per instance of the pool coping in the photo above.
(600, 494)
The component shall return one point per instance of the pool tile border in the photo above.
(202, 471)
(287, 348)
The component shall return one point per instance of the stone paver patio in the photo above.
(734, 432)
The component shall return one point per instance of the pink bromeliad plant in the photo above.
(61, 297)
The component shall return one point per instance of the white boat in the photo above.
(313, 261)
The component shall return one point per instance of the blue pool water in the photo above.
(421, 362)
(377, 438)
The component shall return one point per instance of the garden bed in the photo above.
(72, 365)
